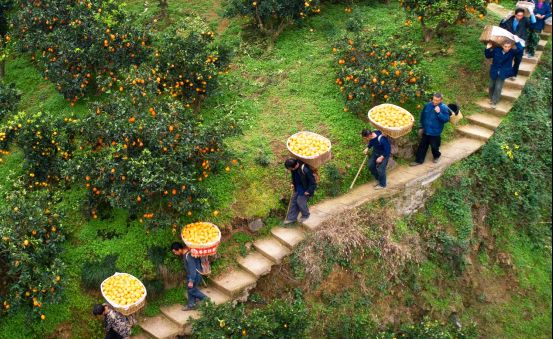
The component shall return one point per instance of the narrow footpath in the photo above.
(237, 283)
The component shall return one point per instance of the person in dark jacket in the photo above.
(542, 13)
(116, 325)
(520, 26)
(501, 69)
(193, 267)
(382, 151)
(305, 184)
(434, 116)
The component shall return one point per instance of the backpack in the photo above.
(393, 145)
(315, 172)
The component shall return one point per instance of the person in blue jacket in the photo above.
(501, 69)
(521, 26)
(434, 116)
(382, 151)
(193, 267)
(542, 13)
(305, 184)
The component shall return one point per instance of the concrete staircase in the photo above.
(236, 283)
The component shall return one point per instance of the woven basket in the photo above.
(547, 28)
(314, 161)
(128, 309)
(527, 5)
(393, 132)
(456, 115)
(498, 36)
(211, 246)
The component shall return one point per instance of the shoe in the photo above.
(414, 163)
(303, 219)
(376, 185)
(436, 160)
(288, 222)
(490, 102)
(378, 188)
(493, 105)
(513, 78)
(188, 308)
(530, 56)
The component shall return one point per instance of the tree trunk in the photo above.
(426, 32)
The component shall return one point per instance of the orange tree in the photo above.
(434, 15)
(147, 154)
(9, 98)
(371, 73)
(46, 142)
(75, 41)
(30, 242)
(272, 16)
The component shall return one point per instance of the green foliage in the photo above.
(31, 238)
(279, 319)
(431, 329)
(435, 16)
(9, 99)
(148, 157)
(354, 325)
(272, 16)
(75, 43)
(372, 73)
(333, 179)
(94, 271)
(46, 142)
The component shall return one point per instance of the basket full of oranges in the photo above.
(311, 148)
(124, 292)
(392, 120)
(202, 238)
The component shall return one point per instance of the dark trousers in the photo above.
(378, 170)
(297, 206)
(194, 293)
(113, 335)
(496, 86)
(428, 140)
(533, 41)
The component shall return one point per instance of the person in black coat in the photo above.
(520, 26)
(305, 184)
(501, 69)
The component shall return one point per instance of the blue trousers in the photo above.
(194, 293)
(378, 170)
(298, 204)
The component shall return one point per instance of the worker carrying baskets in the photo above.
(201, 240)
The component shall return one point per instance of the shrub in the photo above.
(333, 180)
(9, 99)
(31, 238)
(186, 65)
(434, 16)
(96, 271)
(46, 141)
(272, 16)
(147, 155)
(74, 43)
(371, 73)
(279, 319)
(431, 329)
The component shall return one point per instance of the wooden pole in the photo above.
(359, 172)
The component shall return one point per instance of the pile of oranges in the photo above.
(391, 116)
(123, 289)
(200, 233)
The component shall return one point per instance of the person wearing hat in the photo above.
(381, 152)
(116, 325)
(193, 267)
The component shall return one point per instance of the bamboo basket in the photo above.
(314, 161)
(527, 6)
(547, 28)
(498, 36)
(393, 132)
(203, 250)
(127, 309)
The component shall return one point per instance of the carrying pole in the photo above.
(359, 172)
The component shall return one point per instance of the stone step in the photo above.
(178, 316)
(272, 249)
(485, 120)
(141, 335)
(518, 83)
(234, 282)
(545, 36)
(501, 110)
(475, 132)
(256, 263)
(289, 237)
(160, 327)
(216, 296)
(541, 45)
(526, 68)
(533, 60)
(510, 94)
